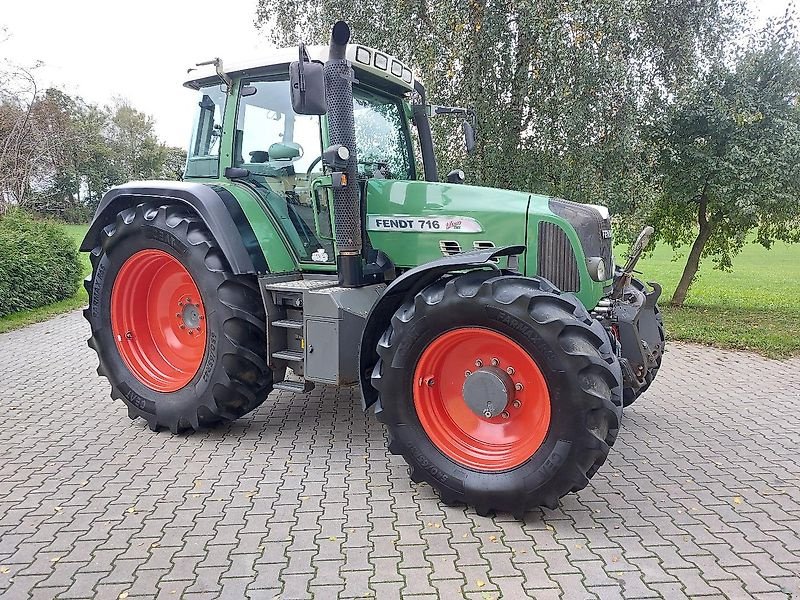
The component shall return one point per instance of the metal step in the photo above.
(288, 324)
(295, 386)
(290, 355)
(298, 285)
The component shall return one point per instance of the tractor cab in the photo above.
(248, 130)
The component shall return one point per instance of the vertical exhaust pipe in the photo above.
(339, 76)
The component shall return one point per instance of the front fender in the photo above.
(214, 204)
(408, 284)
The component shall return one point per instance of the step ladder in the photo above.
(283, 301)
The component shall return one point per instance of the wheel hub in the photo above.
(190, 315)
(488, 392)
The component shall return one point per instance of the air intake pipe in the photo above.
(339, 76)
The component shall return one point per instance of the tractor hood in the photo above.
(415, 221)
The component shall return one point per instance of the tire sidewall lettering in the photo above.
(165, 237)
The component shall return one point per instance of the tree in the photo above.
(137, 152)
(559, 86)
(60, 154)
(728, 154)
(174, 163)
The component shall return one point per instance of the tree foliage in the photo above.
(558, 85)
(727, 154)
(59, 154)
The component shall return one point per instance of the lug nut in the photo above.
(516, 404)
(479, 363)
(518, 387)
(467, 373)
(129, 335)
(191, 332)
(430, 381)
(510, 370)
(495, 362)
(182, 326)
(487, 413)
(504, 414)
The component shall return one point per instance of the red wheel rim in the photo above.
(494, 443)
(158, 320)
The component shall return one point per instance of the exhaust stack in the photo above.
(339, 76)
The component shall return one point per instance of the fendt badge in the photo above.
(422, 224)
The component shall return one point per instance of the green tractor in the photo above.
(488, 329)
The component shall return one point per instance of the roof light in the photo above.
(363, 55)
(381, 61)
(397, 69)
(407, 75)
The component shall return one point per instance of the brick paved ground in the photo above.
(701, 496)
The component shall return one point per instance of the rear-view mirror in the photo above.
(307, 85)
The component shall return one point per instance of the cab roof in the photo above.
(364, 59)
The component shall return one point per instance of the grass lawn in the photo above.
(79, 300)
(754, 307)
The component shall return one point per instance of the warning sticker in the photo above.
(423, 224)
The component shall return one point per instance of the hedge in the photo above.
(39, 263)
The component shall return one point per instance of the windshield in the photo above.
(383, 145)
(278, 147)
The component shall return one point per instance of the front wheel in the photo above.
(180, 337)
(500, 392)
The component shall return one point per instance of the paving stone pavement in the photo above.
(700, 497)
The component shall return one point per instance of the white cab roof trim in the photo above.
(364, 58)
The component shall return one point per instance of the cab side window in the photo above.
(203, 156)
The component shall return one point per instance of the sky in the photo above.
(102, 49)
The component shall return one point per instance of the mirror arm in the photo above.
(217, 62)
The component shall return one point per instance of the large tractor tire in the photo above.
(499, 391)
(629, 395)
(180, 338)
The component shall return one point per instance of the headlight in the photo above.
(597, 268)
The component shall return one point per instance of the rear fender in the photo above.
(408, 284)
(216, 206)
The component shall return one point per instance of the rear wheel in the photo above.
(498, 391)
(180, 338)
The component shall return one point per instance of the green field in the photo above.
(80, 299)
(751, 308)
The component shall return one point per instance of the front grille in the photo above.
(594, 232)
(556, 259)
